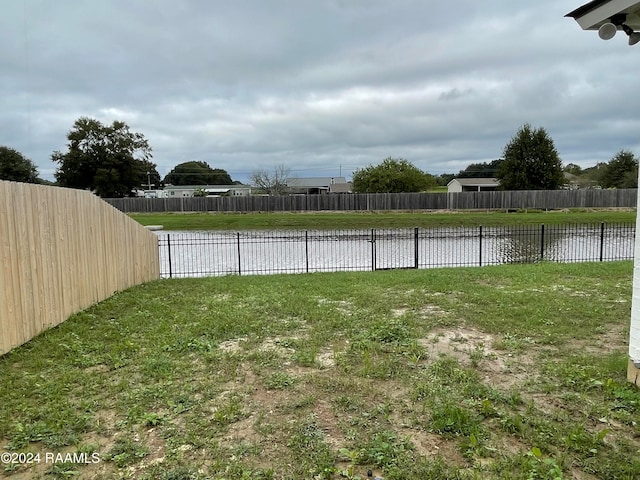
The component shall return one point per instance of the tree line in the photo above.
(113, 161)
(529, 161)
(110, 160)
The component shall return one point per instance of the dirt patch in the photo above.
(425, 311)
(342, 306)
(431, 310)
(473, 348)
(243, 431)
(429, 444)
(327, 422)
(155, 444)
(232, 346)
(577, 474)
(101, 368)
(279, 345)
(49, 457)
(459, 343)
(326, 358)
(604, 343)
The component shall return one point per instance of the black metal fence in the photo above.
(189, 254)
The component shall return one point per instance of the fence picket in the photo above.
(506, 200)
(62, 250)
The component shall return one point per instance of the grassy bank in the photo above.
(511, 372)
(309, 221)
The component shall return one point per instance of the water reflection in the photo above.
(529, 245)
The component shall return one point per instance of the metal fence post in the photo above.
(373, 249)
(480, 262)
(601, 241)
(415, 247)
(306, 248)
(239, 267)
(169, 254)
(542, 242)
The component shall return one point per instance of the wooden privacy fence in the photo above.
(530, 199)
(62, 250)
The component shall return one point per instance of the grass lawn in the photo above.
(351, 220)
(509, 372)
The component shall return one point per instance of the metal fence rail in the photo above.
(189, 254)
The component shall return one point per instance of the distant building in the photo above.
(177, 191)
(318, 185)
(150, 193)
(473, 185)
(154, 194)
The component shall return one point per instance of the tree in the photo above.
(531, 162)
(197, 173)
(481, 170)
(271, 183)
(573, 169)
(621, 171)
(109, 160)
(392, 175)
(444, 179)
(15, 167)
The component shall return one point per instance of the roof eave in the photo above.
(592, 15)
(586, 8)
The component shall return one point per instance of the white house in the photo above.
(473, 185)
(608, 17)
(235, 190)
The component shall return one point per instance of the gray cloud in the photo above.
(324, 87)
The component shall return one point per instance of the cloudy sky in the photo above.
(321, 86)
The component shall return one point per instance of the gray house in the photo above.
(318, 185)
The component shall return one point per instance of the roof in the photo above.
(217, 190)
(205, 187)
(314, 182)
(478, 182)
(592, 15)
(586, 8)
(340, 188)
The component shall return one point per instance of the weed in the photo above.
(279, 381)
(543, 468)
(475, 446)
(230, 411)
(306, 357)
(316, 459)
(151, 419)
(126, 452)
(393, 332)
(476, 356)
(179, 473)
(64, 470)
(384, 449)
(351, 456)
(451, 419)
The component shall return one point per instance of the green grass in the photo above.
(509, 372)
(351, 220)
